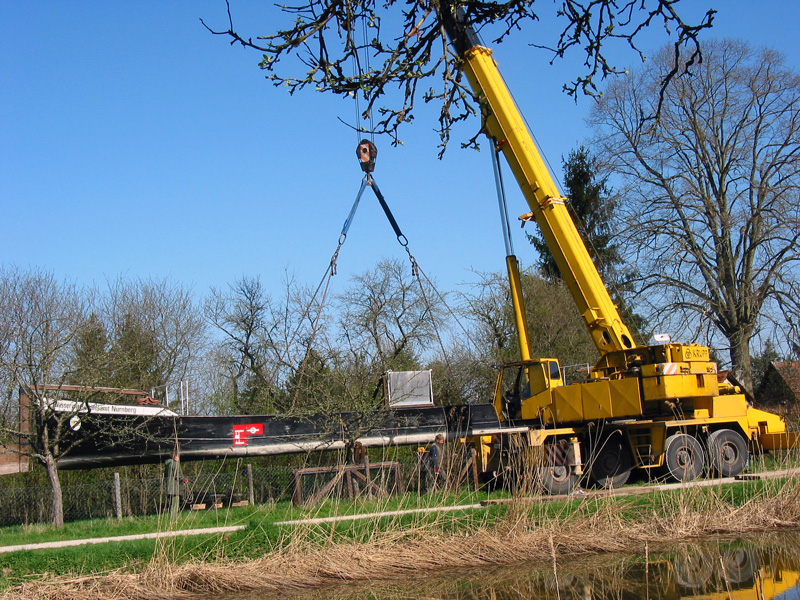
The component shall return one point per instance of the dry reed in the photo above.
(528, 532)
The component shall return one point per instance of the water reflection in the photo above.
(765, 569)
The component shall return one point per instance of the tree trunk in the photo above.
(740, 358)
(55, 486)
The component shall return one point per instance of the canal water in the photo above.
(761, 568)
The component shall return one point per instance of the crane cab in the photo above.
(524, 388)
(534, 390)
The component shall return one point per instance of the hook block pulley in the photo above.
(367, 152)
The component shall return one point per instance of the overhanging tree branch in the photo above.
(344, 47)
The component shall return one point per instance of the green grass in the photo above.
(74, 530)
(17, 567)
(262, 535)
(31, 534)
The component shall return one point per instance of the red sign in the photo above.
(240, 432)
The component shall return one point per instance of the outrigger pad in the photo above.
(367, 152)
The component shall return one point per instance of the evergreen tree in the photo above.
(91, 353)
(135, 356)
(592, 207)
(762, 361)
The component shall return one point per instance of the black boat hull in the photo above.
(104, 440)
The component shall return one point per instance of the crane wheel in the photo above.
(612, 463)
(693, 570)
(739, 565)
(684, 459)
(557, 480)
(727, 452)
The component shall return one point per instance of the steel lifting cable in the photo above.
(415, 269)
(442, 299)
(326, 281)
(374, 185)
(367, 153)
(346, 227)
(357, 77)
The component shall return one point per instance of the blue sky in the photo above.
(135, 143)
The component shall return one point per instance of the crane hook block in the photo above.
(367, 152)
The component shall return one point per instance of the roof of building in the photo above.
(790, 373)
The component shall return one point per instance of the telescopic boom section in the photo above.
(505, 126)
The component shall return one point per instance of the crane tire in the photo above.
(727, 452)
(693, 570)
(612, 463)
(556, 481)
(739, 565)
(684, 459)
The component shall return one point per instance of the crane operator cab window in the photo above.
(520, 382)
(511, 390)
(555, 372)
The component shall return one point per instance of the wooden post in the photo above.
(475, 474)
(251, 496)
(367, 474)
(398, 478)
(117, 497)
(349, 489)
(297, 497)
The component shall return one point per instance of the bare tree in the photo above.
(388, 319)
(265, 342)
(53, 333)
(40, 318)
(250, 353)
(388, 316)
(710, 192)
(553, 332)
(361, 49)
(280, 355)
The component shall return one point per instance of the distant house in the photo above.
(781, 384)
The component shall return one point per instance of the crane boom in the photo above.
(504, 124)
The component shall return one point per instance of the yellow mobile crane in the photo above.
(657, 407)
